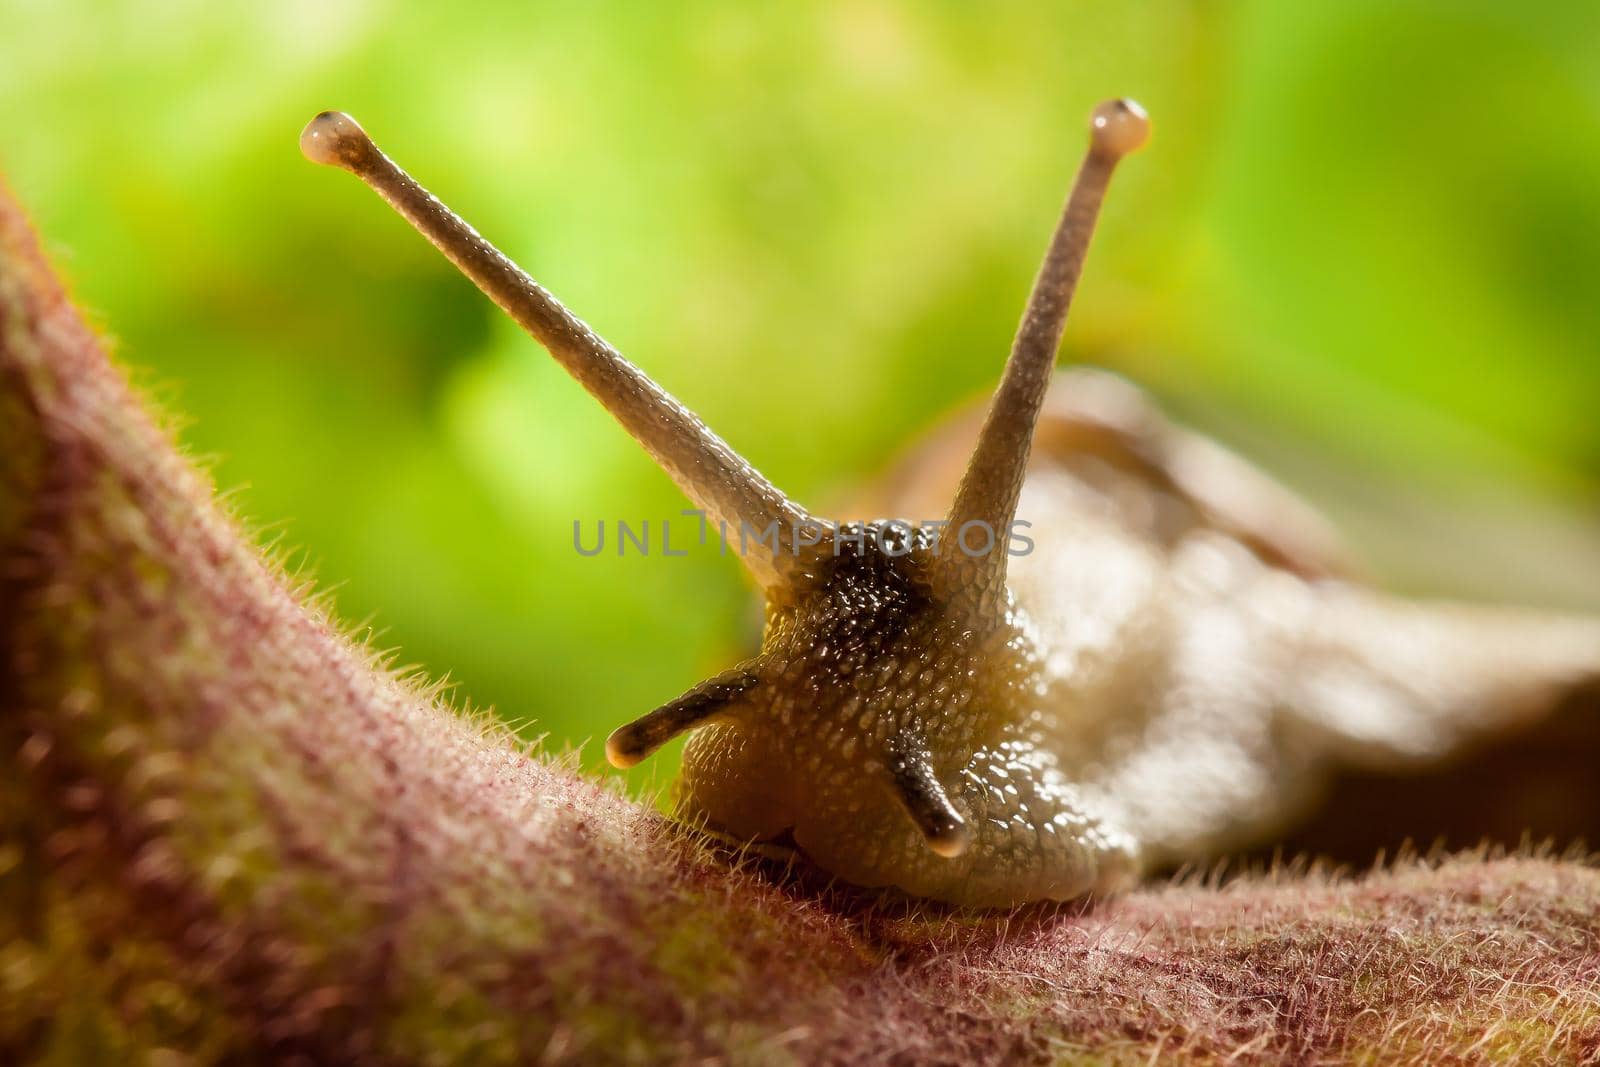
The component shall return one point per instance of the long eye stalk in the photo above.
(993, 481)
(712, 474)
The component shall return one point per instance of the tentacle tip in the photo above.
(334, 139)
(1119, 127)
(950, 839)
(619, 753)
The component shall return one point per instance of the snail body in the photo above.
(1167, 674)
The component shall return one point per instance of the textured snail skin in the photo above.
(1180, 665)
(868, 657)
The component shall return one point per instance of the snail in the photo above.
(1169, 673)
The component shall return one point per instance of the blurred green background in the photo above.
(1364, 246)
